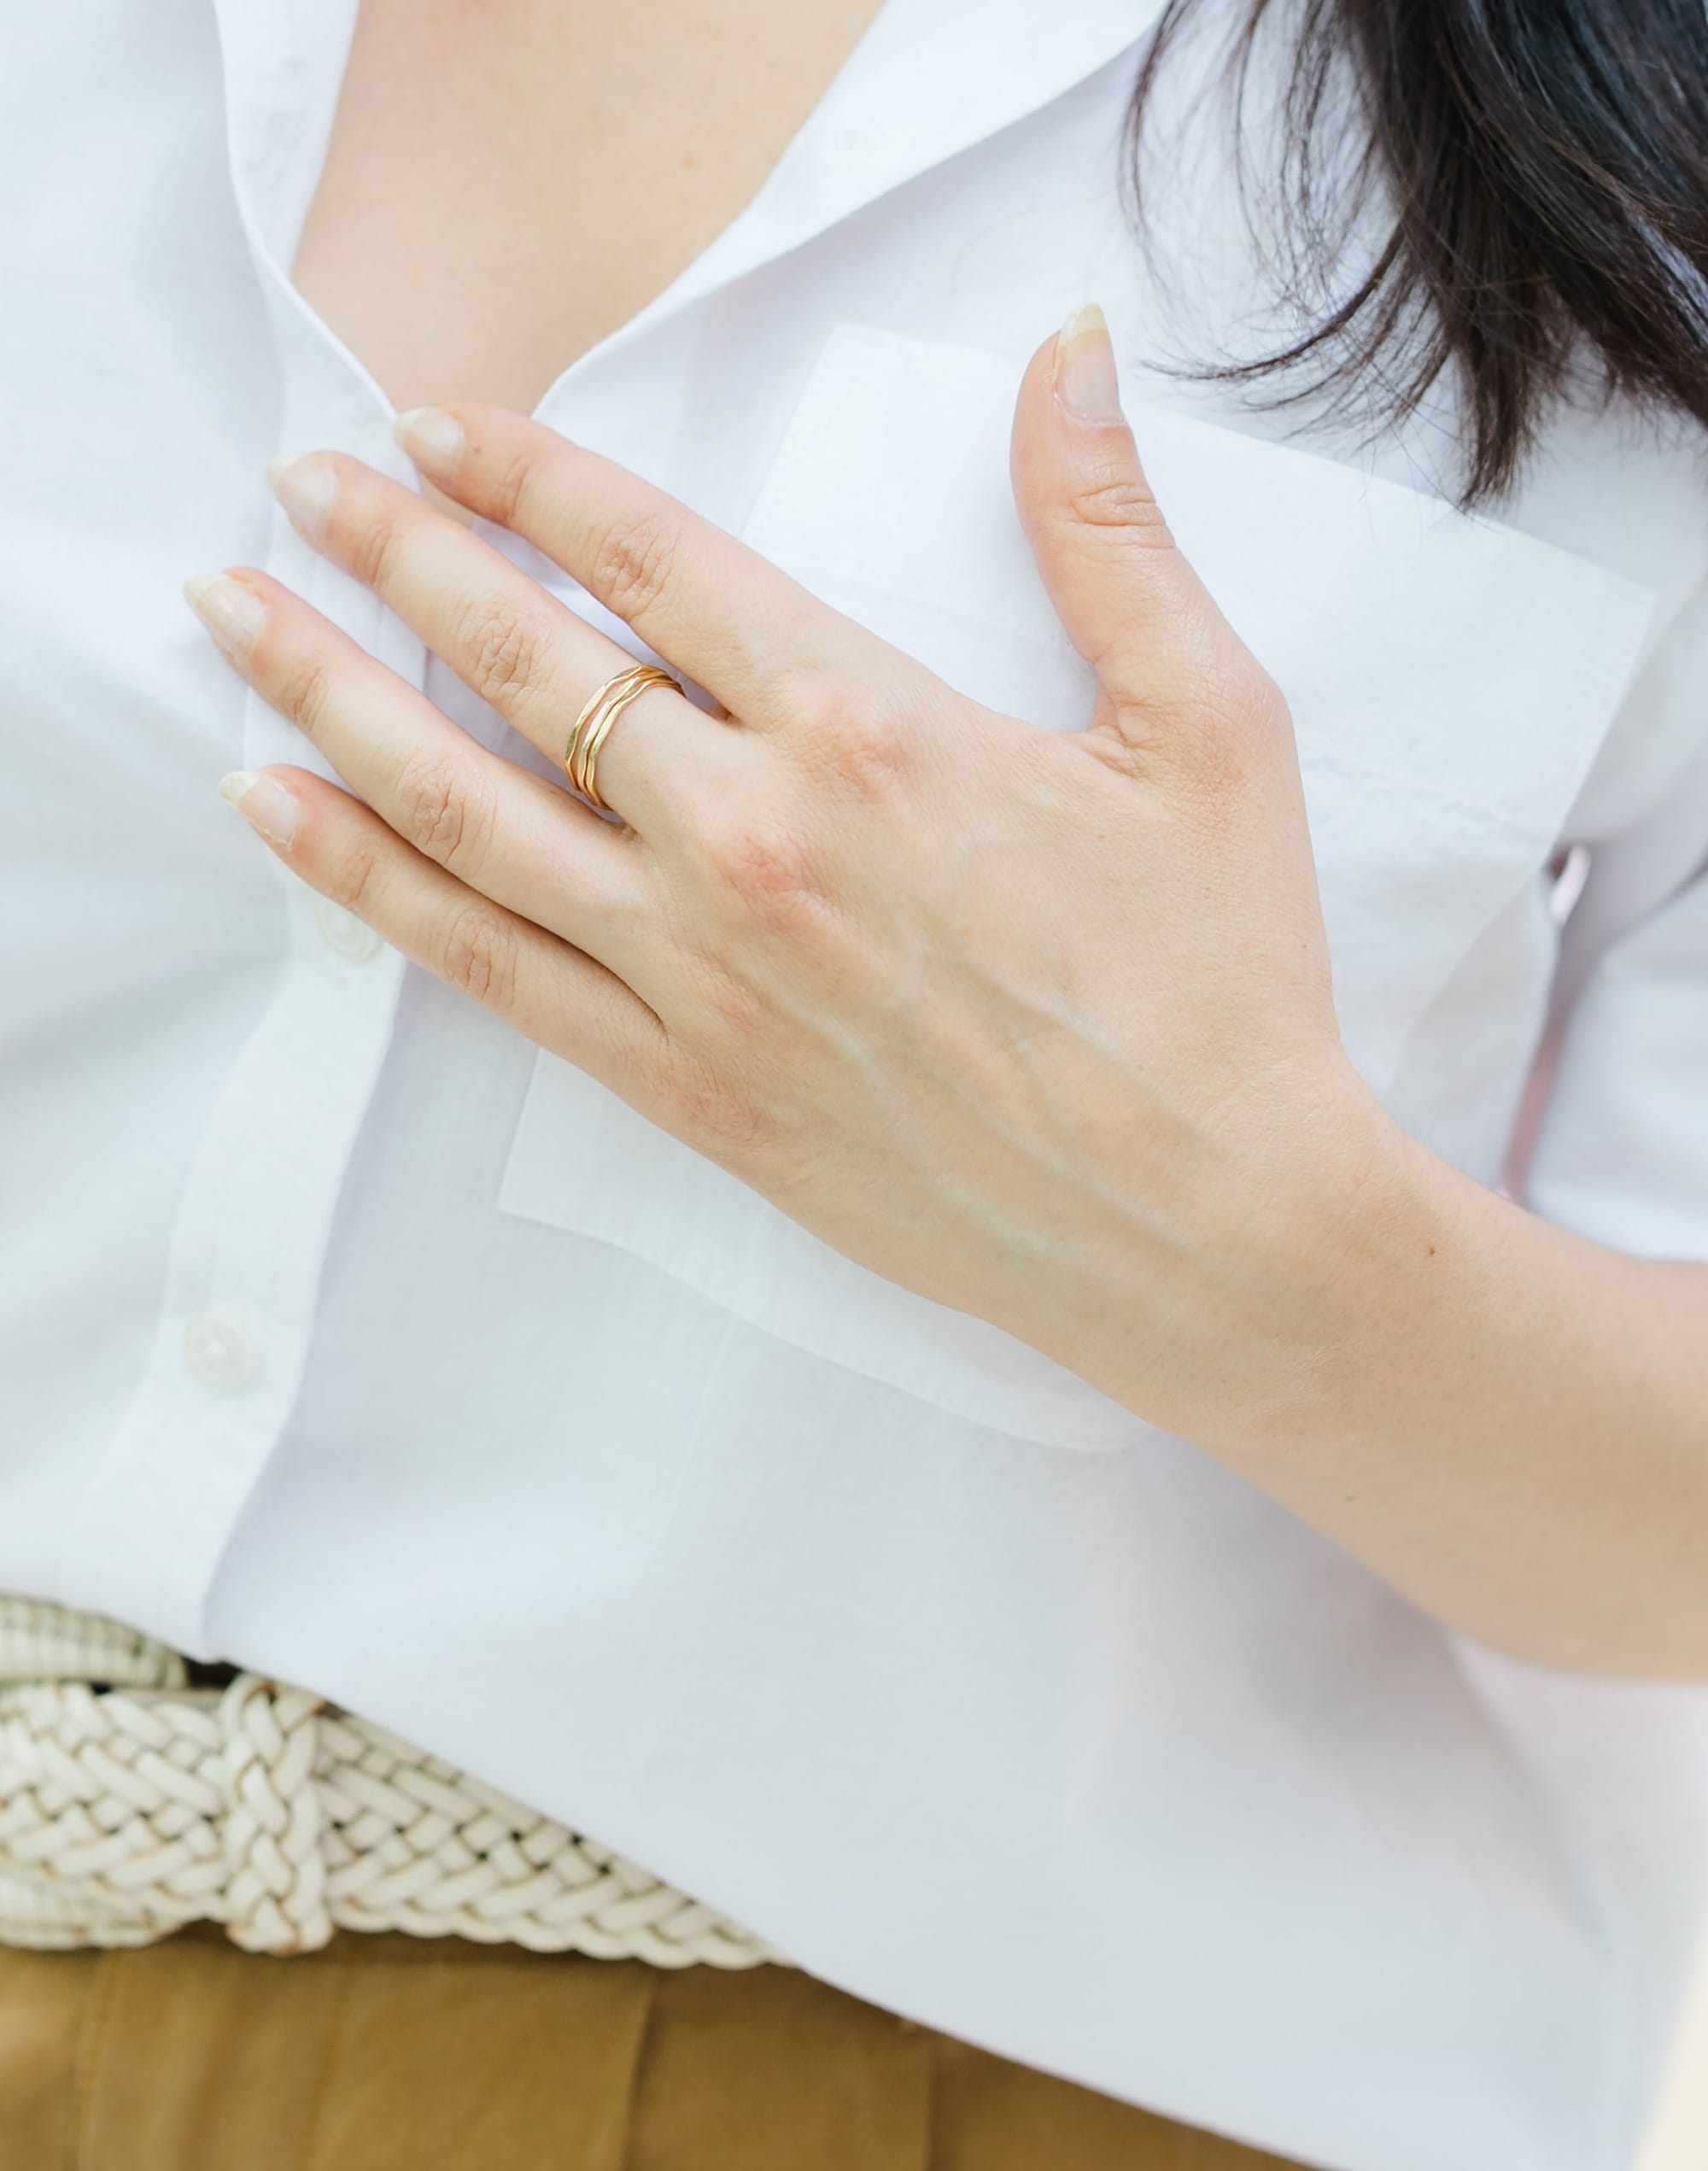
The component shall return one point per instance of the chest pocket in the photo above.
(1450, 680)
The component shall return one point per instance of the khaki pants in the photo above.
(389, 2054)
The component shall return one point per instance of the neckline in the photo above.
(924, 81)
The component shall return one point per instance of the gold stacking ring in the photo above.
(591, 728)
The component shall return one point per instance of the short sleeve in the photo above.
(1620, 1152)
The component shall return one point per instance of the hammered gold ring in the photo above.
(591, 728)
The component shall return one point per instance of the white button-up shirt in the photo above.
(347, 1336)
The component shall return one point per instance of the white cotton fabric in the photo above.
(344, 1336)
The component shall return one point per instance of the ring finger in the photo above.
(531, 657)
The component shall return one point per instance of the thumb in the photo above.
(1129, 601)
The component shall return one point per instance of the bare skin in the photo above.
(508, 181)
(1168, 1176)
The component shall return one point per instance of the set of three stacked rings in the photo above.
(591, 728)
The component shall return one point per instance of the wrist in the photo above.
(1350, 1250)
(1396, 1305)
(1263, 1307)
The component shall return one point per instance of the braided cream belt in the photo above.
(132, 1802)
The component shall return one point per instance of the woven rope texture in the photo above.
(131, 1804)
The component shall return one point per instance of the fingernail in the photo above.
(432, 438)
(270, 811)
(232, 613)
(1086, 380)
(307, 489)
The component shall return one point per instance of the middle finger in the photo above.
(514, 645)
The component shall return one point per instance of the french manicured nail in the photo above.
(306, 488)
(270, 811)
(1086, 380)
(232, 613)
(432, 438)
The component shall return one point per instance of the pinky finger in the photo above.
(557, 996)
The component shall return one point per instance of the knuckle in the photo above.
(854, 739)
(509, 483)
(633, 563)
(479, 956)
(499, 653)
(370, 550)
(443, 810)
(1113, 496)
(355, 882)
(765, 863)
(303, 690)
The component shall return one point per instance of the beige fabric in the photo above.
(126, 1811)
(389, 2054)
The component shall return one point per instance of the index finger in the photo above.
(719, 612)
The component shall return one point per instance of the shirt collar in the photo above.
(929, 78)
(283, 61)
(927, 82)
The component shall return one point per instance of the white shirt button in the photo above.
(219, 1352)
(350, 937)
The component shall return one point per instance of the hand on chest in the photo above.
(1450, 679)
(1177, 907)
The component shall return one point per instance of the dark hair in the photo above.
(1510, 192)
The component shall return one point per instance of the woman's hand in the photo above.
(1037, 1024)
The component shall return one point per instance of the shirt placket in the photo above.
(253, 1228)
